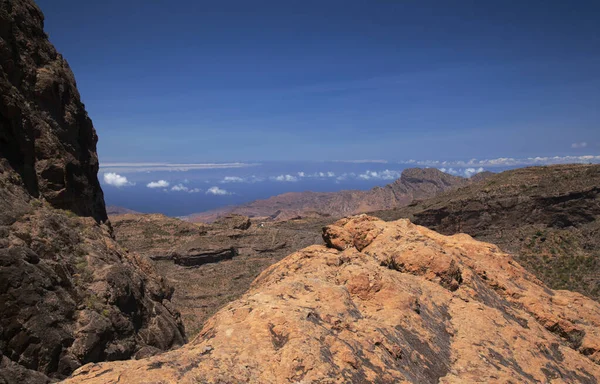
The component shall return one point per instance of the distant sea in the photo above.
(183, 189)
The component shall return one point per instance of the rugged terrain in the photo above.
(386, 302)
(211, 264)
(69, 294)
(414, 183)
(547, 217)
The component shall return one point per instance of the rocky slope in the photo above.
(414, 183)
(548, 217)
(211, 264)
(386, 303)
(69, 294)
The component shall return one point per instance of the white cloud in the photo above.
(217, 191)
(158, 184)
(183, 188)
(583, 144)
(289, 178)
(472, 171)
(468, 172)
(317, 174)
(116, 180)
(508, 161)
(381, 175)
(361, 161)
(232, 179)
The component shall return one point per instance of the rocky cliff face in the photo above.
(386, 303)
(414, 183)
(69, 294)
(45, 133)
(546, 216)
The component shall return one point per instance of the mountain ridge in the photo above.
(414, 183)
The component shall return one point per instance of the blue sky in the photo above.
(201, 81)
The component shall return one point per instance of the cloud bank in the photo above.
(380, 175)
(288, 178)
(506, 161)
(116, 180)
(158, 184)
(468, 172)
(217, 191)
(183, 188)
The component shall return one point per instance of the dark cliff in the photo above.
(45, 132)
(69, 294)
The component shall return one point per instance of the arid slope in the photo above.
(386, 303)
(547, 217)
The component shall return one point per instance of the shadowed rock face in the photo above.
(45, 132)
(386, 303)
(69, 294)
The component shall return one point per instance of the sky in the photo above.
(192, 81)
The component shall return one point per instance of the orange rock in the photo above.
(412, 306)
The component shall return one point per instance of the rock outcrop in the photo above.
(45, 133)
(211, 265)
(69, 294)
(414, 183)
(548, 217)
(386, 302)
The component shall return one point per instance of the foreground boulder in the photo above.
(386, 303)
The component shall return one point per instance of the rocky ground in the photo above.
(547, 217)
(69, 294)
(211, 265)
(386, 302)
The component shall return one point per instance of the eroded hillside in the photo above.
(388, 303)
(547, 217)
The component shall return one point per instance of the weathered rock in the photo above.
(45, 132)
(237, 256)
(69, 294)
(233, 222)
(412, 306)
(547, 217)
(193, 256)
